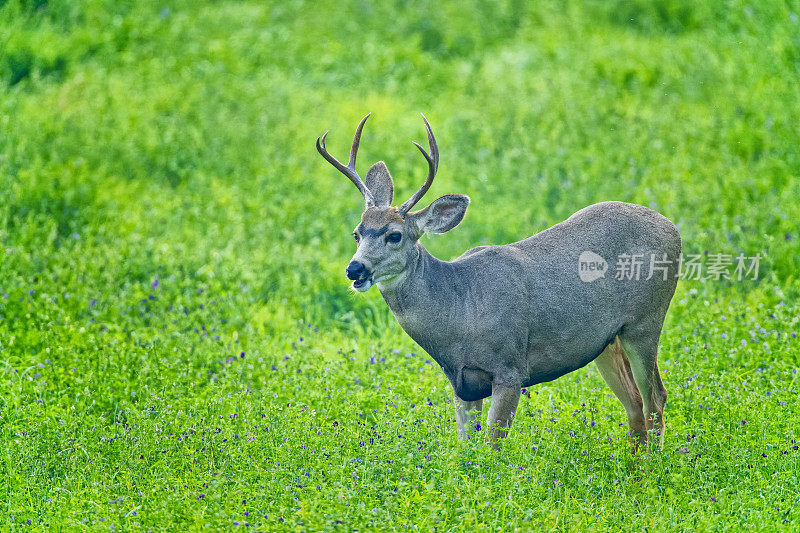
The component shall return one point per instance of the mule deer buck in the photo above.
(499, 318)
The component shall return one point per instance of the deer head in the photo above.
(387, 236)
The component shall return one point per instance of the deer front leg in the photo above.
(505, 399)
(467, 416)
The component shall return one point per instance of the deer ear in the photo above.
(442, 215)
(380, 184)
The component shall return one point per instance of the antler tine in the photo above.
(433, 166)
(348, 170)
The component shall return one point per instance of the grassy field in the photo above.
(179, 347)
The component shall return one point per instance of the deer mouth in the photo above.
(363, 283)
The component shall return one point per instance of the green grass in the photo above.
(178, 343)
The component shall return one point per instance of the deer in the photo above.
(500, 318)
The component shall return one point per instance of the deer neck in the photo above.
(422, 292)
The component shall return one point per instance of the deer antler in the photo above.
(433, 166)
(350, 169)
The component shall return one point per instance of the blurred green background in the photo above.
(181, 135)
(162, 203)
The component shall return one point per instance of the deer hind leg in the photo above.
(467, 416)
(641, 346)
(616, 371)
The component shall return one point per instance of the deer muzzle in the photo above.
(360, 275)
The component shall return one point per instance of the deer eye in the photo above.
(394, 237)
(355, 236)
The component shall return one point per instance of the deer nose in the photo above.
(354, 270)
